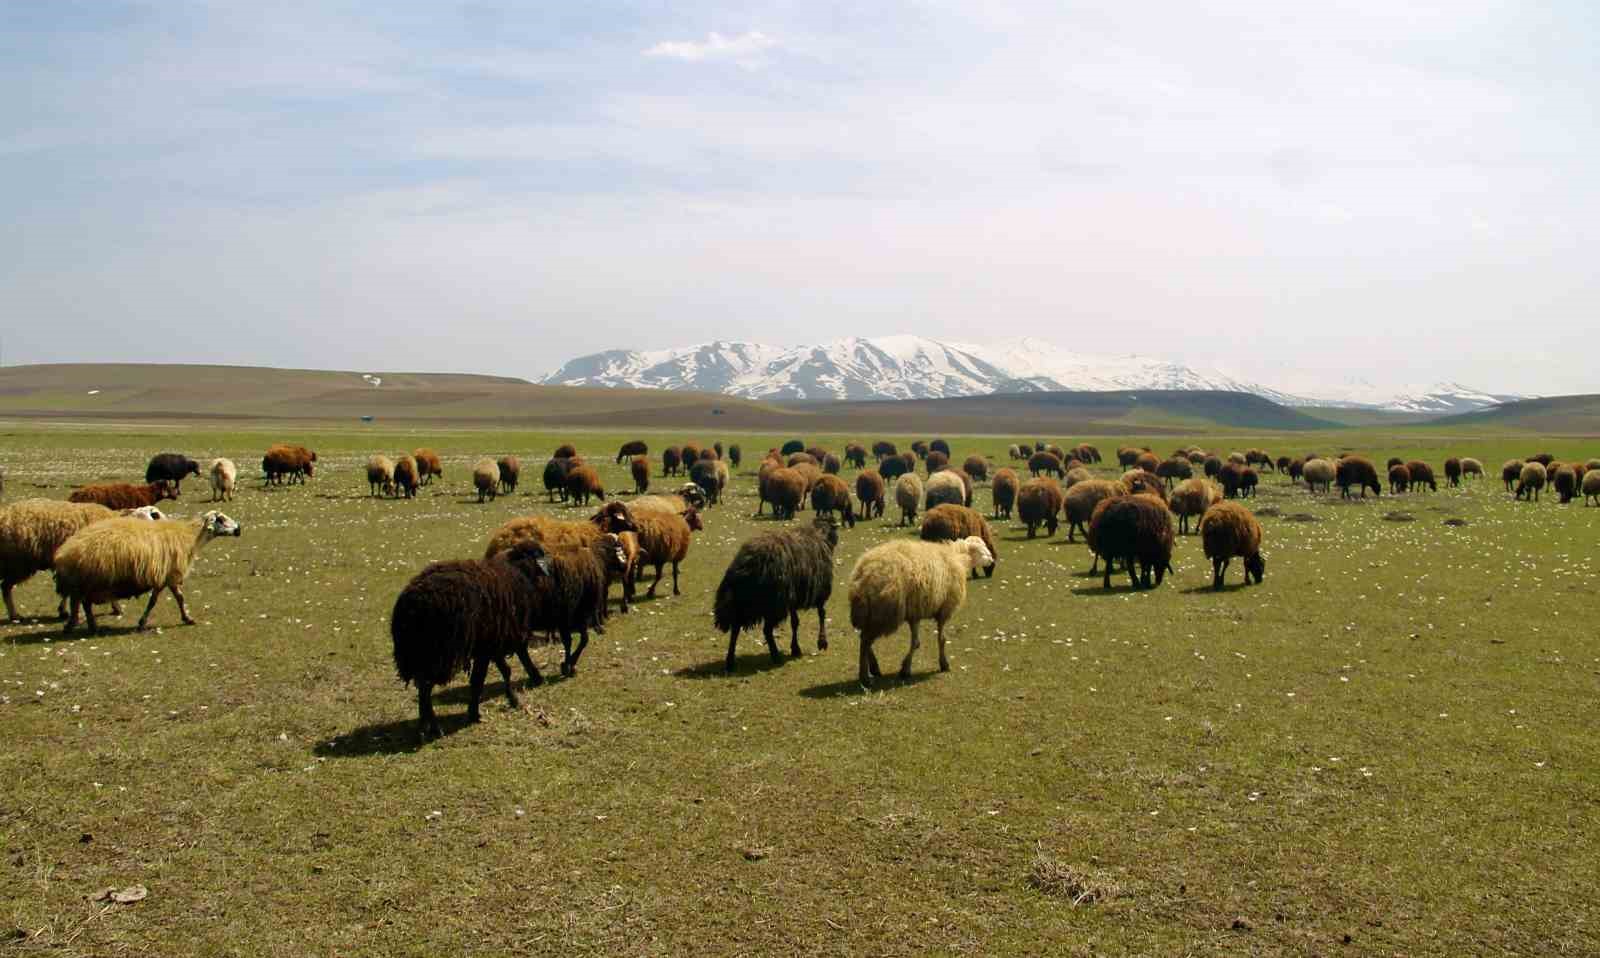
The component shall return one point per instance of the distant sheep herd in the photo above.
(110, 541)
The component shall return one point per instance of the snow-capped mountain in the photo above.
(1442, 398)
(913, 367)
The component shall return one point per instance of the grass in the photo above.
(1388, 746)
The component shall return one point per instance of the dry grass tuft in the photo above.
(1074, 884)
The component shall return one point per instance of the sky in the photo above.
(1298, 194)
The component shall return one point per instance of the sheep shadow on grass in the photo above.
(386, 738)
(852, 686)
(1231, 585)
(752, 664)
(59, 634)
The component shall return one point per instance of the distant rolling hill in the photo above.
(1554, 415)
(182, 392)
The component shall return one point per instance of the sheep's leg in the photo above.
(566, 651)
(868, 665)
(767, 629)
(944, 662)
(1218, 567)
(88, 615)
(534, 678)
(183, 609)
(1107, 583)
(72, 619)
(905, 664)
(583, 643)
(675, 578)
(144, 620)
(794, 633)
(427, 722)
(650, 593)
(11, 603)
(1132, 570)
(505, 673)
(733, 641)
(822, 627)
(480, 671)
(1094, 566)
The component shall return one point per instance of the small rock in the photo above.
(1242, 924)
(754, 853)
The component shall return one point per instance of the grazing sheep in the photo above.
(935, 461)
(1075, 476)
(122, 495)
(1544, 459)
(1452, 471)
(1046, 463)
(831, 464)
(510, 468)
(1296, 469)
(1127, 456)
(895, 466)
(768, 466)
(640, 469)
(908, 495)
(1078, 505)
(1147, 462)
(796, 458)
(1565, 482)
(1422, 475)
(1174, 470)
(1471, 467)
(855, 454)
(555, 478)
(1283, 463)
(1229, 530)
(1056, 451)
(1359, 471)
(1231, 477)
(872, 491)
(1140, 482)
(1530, 481)
(31, 531)
(1134, 529)
(671, 461)
(1212, 467)
(1399, 478)
(786, 489)
(427, 466)
(710, 453)
(1086, 453)
(405, 476)
(224, 476)
(976, 467)
(1014, 452)
(1004, 489)
(1248, 480)
(583, 482)
(906, 582)
(1038, 502)
(287, 463)
(380, 475)
(792, 446)
(1511, 472)
(486, 478)
(565, 451)
(1394, 461)
(632, 449)
(664, 537)
(460, 615)
(1257, 457)
(1193, 497)
(1319, 473)
(919, 449)
(735, 455)
(883, 449)
(171, 466)
(830, 495)
(1591, 487)
(944, 486)
(705, 474)
(947, 523)
(777, 574)
(126, 557)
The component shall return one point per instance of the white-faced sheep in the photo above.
(224, 476)
(380, 475)
(947, 523)
(1228, 531)
(122, 558)
(775, 575)
(908, 495)
(944, 486)
(1135, 529)
(486, 479)
(907, 582)
(460, 615)
(1530, 481)
(1192, 498)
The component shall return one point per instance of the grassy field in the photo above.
(1387, 748)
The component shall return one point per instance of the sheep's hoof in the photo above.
(905, 675)
(188, 621)
(534, 681)
(822, 644)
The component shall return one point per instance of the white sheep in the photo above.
(908, 494)
(907, 582)
(224, 474)
(945, 487)
(126, 557)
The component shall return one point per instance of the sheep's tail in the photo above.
(725, 613)
(875, 615)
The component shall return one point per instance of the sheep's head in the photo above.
(614, 517)
(691, 515)
(309, 469)
(144, 512)
(529, 558)
(214, 523)
(978, 554)
(194, 468)
(828, 529)
(1256, 566)
(693, 495)
(615, 556)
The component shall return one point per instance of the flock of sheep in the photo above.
(543, 574)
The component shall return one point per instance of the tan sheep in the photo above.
(122, 558)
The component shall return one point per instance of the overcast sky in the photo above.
(1292, 192)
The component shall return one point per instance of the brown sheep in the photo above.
(639, 467)
(796, 458)
(1591, 487)
(284, 462)
(855, 454)
(1565, 483)
(565, 451)
(486, 479)
(1086, 453)
(1231, 478)
(1227, 531)
(908, 496)
(1399, 478)
(870, 489)
(976, 467)
(1147, 461)
(947, 523)
(1081, 499)
(785, 488)
(882, 449)
(428, 466)
(1138, 531)
(1295, 469)
(380, 475)
(1359, 471)
(1193, 497)
(405, 476)
(831, 495)
(1452, 471)
(1530, 480)
(1004, 489)
(632, 450)
(1038, 502)
(582, 483)
(664, 537)
(510, 468)
(831, 464)
(1511, 472)
(1422, 475)
(122, 495)
(935, 460)
(1140, 482)
(1175, 470)
(1046, 463)
(671, 461)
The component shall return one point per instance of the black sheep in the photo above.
(555, 478)
(171, 466)
(466, 613)
(635, 447)
(792, 446)
(1359, 471)
(777, 574)
(1133, 529)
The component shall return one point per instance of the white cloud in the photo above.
(744, 50)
